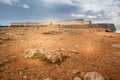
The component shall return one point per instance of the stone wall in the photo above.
(93, 27)
(61, 22)
(27, 24)
(86, 22)
(69, 22)
(103, 26)
(80, 23)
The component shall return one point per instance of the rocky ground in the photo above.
(55, 53)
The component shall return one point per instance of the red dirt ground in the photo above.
(96, 53)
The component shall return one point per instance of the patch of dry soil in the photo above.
(85, 51)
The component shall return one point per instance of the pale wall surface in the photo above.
(62, 22)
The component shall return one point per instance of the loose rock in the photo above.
(116, 45)
(47, 79)
(76, 73)
(93, 76)
(75, 51)
(77, 78)
(28, 53)
(25, 77)
(52, 56)
(4, 62)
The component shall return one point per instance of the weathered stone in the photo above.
(116, 45)
(1, 41)
(21, 72)
(76, 73)
(28, 53)
(76, 46)
(77, 78)
(49, 32)
(25, 77)
(47, 79)
(93, 76)
(75, 51)
(10, 79)
(52, 56)
(1, 76)
(4, 39)
(4, 62)
(107, 27)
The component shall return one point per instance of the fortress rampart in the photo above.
(101, 27)
(81, 23)
(62, 22)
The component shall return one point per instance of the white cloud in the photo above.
(104, 10)
(9, 2)
(92, 7)
(107, 10)
(49, 2)
(78, 15)
(83, 16)
(14, 2)
(91, 17)
(100, 9)
(25, 6)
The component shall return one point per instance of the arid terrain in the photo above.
(83, 50)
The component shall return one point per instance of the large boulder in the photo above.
(52, 56)
(93, 76)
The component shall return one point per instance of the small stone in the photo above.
(77, 78)
(28, 53)
(76, 46)
(47, 79)
(9, 44)
(94, 65)
(4, 62)
(116, 45)
(25, 77)
(93, 76)
(114, 58)
(9, 79)
(21, 40)
(1, 76)
(53, 56)
(1, 41)
(20, 72)
(76, 72)
(75, 51)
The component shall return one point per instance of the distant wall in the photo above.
(86, 22)
(23, 24)
(62, 22)
(93, 27)
(104, 26)
(69, 22)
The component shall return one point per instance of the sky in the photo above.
(106, 11)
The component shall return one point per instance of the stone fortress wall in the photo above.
(62, 22)
(81, 23)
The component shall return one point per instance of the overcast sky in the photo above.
(45, 10)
